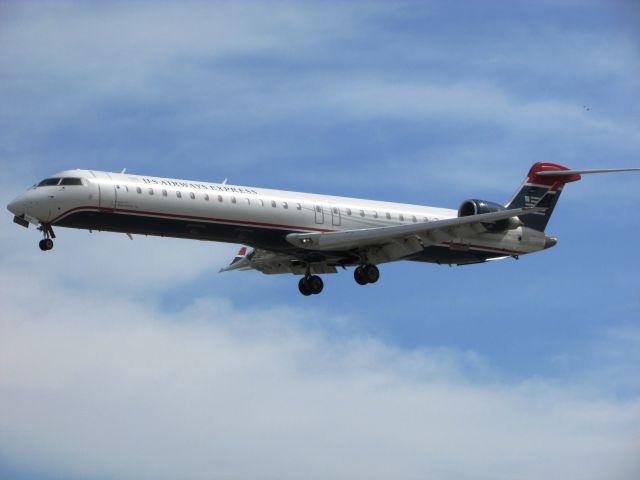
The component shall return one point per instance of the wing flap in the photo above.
(272, 263)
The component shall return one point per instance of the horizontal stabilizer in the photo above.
(560, 173)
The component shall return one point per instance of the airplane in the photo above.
(300, 233)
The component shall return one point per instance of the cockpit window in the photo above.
(49, 182)
(71, 181)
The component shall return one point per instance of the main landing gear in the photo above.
(46, 243)
(313, 284)
(365, 274)
(310, 285)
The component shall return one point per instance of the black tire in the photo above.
(48, 243)
(42, 245)
(358, 274)
(315, 284)
(371, 273)
(303, 286)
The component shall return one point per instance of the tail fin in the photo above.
(541, 191)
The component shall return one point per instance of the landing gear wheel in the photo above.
(358, 274)
(315, 284)
(45, 244)
(366, 274)
(371, 273)
(303, 286)
(311, 285)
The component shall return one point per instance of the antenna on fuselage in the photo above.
(224, 182)
(123, 170)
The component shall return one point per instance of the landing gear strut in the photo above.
(366, 274)
(46, 243)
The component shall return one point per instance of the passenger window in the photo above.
(414, 219)
(151, 191)
(261, 203)
(425, 219)
(388, 216)
(401, 216)
(164, 193)
(375, 214)
(206, 197)
(273, 203)
(248, 201)
(220, 198)
(233, 199)
(138, 189)
(49, 182)
(362, 213)
(335, 211)
(71, 181)
(192, 195)
(178, 194)
(285, 205)
(298, 206)
(348, 211)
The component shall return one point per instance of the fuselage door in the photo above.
(335, 216)
(107, 191)
(319, 214)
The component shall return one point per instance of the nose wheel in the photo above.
(310, 285)
(46, 243)
(365, 274)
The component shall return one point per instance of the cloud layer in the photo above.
(96, 386)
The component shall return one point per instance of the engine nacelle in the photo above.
(478, 207)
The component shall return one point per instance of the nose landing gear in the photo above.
(46, 243)
(365, 274)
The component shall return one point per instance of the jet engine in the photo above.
(478, 207)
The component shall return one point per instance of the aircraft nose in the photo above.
(18, 205)
(15, 206)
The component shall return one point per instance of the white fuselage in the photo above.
(258, 217)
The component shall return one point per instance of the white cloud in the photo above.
(102, 386)
(133, 52)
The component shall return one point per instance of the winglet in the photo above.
(239, 262)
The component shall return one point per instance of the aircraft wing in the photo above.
(396, 241)
(383, 244)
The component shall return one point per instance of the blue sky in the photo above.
(123, 359)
